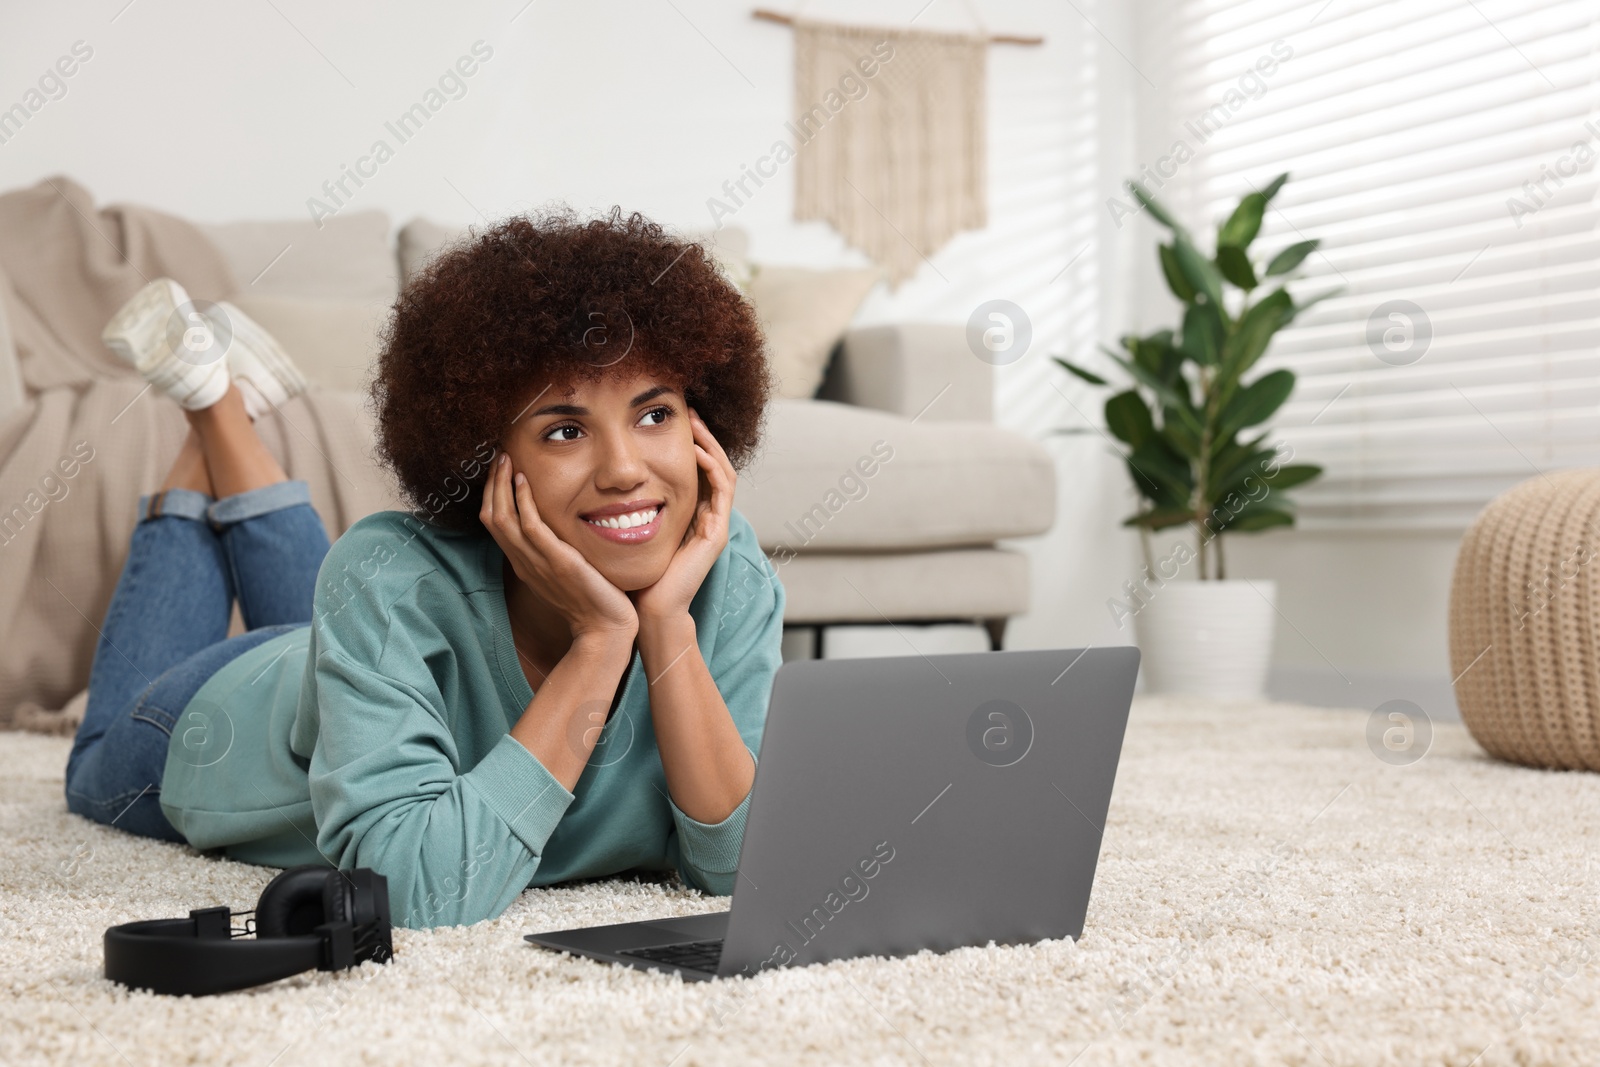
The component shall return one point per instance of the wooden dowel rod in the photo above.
(999, 38)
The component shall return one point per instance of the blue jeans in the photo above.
(166, 632)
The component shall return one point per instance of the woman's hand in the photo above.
(705, 539)
(549, 566)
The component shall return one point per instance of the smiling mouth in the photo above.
(631, 521)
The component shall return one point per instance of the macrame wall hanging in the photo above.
(892, 134)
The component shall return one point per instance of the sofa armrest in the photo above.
(903, 367)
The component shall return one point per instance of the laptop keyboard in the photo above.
(690, 955)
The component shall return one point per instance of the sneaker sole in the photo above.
(137, 332)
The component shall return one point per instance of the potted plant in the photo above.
(1186, 419)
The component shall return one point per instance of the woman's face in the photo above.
(608, 443)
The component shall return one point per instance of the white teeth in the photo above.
(628, 521)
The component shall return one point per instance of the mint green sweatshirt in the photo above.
(378, 735)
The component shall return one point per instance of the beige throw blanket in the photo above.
(75, 458)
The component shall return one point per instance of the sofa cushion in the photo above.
(347, 257)
(803, 313)
(419, 239)
(922, 370)
(333, 341)
(832, 477)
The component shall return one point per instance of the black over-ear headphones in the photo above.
(307, 917)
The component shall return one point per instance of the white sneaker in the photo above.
(264, 372)
(181, 356)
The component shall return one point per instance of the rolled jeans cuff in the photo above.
(253, 502)
(186, 503)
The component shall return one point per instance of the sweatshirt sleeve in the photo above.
(746, 654)
(389, 792)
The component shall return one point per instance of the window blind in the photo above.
(1445, 153)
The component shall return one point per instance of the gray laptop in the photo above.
(906, 803)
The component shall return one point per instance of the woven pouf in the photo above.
(1525, 623)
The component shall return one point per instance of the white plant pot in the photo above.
(1209, 639)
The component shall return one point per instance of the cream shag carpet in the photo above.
(1269, 892)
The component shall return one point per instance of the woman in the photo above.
(508, 686)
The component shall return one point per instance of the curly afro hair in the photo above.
(547, 297)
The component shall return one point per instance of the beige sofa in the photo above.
(879, 500)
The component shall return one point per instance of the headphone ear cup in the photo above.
(337, 905)
(369, 915)
(295, 902)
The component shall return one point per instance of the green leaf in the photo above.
(1235, 266)
(1159, 355)
(1154, 464)
(1198, 271)
(1239, 469)
(1245, 222)
(1273, 186)
(1184, 441)
(1252, 519)
(1166, 392)
(1203, 334)
(1088, 376)
(1154, 208)
(1257, 402)
(1291, 475)
(1226, 453)
(1255, 467)
(1291, 257)
(1147, 486)
(1159, 518)
(1226, 456)
(1146, 352)
(1230, 511)
(1131, 342)
(1128, 418)
(1255, 331)
(1164, 499)
(1172, 368)
(1175, 280)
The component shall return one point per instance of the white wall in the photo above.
(1364, 615)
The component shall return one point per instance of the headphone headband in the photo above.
(203, 954)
